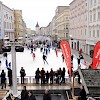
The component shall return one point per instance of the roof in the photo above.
(37, 25)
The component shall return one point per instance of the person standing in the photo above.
(63, 76)
(62, 57)
(37, 75)
(47, 76)
(51, 76)
(10, 76)
(46, 96)
(42, 76)
(31, 96)
(83, 94)
(3, 79)
(24, 93)
(0, 65)
(22, 74)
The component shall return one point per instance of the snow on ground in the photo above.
(24, 59)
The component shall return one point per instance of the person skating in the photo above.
(22, 74)
(44, 58)
(33, 55)
(56, 52)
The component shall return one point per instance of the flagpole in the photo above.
(73, 85)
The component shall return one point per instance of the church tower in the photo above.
(37, 28)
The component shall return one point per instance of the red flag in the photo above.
(67, 54)
(96, 56)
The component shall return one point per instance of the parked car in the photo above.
(19, 48)
(6, 48)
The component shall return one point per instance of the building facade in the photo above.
(78, 24)
(84, 24)
(62, 22)
(93, 24)
(6, 23)
(18, 23)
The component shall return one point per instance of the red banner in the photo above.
(96, 56)
(67, 54)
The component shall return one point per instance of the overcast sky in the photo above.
(36, 10)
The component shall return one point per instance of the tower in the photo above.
(37, 28)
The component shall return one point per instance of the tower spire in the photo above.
(37, 25)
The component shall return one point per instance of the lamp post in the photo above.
(14, 75)
(70, 36)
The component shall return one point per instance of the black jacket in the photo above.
(47, 97)
(24, 95)
(32, 97)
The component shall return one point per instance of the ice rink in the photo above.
(25, 60)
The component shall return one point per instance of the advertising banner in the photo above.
(67, 54)
(96, 56)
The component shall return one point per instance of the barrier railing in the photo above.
(31, 79)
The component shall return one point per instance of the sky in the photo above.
(36, 10)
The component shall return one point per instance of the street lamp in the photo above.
(13, 53)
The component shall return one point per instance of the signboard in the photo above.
(67, 54)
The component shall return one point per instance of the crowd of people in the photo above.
(29, 95)
(45, 76)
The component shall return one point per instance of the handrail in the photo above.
(31, 79)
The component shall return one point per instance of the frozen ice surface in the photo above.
(24, 59)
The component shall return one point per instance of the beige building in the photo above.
(58, 28)
(18, 23)
(62, 22)
(42, 30)
(28, 31)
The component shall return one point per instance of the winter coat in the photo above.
(22, 72)
(3, 77)
(32, 97)
(24, 95)
(47, 97)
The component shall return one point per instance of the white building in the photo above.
(94, 24)
(6, 22)
(78, 24)
(84, 24)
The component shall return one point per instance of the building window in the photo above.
(90, 33)
(94, 17)
(85, 31)
(90, 18)
(94, 1)
(81, 32)
(93, 33)
(91, 2)
(98, 33)
(98, 15)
